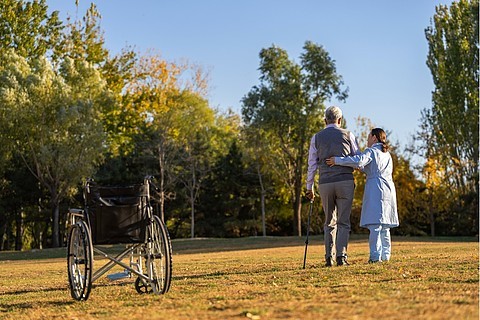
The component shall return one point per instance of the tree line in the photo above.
(72, 110)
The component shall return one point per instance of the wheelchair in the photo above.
(118, 215)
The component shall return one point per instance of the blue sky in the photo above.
(379, 46)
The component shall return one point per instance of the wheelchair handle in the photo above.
(150, 178)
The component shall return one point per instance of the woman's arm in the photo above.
(356, 161)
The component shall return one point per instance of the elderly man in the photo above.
(335, 185)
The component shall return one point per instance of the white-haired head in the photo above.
(333, 114)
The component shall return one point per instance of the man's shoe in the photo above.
(328, 262)
(342, 261)
(374, 261)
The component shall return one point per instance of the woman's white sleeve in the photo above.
(356, 161)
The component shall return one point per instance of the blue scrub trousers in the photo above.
(380, 242)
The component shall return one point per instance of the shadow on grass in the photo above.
(207, 245)
(8, 307)
(26, 291)
(179, 246)
(34, 254)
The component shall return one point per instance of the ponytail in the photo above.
(381, 138)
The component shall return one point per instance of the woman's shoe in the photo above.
(374, 261)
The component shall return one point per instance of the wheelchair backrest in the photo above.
(117, 214)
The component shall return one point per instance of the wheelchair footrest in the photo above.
(119, 275)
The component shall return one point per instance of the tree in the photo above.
(288, 103)
(195, 139)
(83, 39)
(27, 27)
(52, 115)
(227, 200)
(255, 140)
(450, 128)
(453, 119)
(152, 119)
(22, 204)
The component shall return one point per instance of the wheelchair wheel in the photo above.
(158, 258)
(80, 261)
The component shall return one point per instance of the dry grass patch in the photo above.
(256, 278)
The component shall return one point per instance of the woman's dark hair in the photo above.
(381, 137)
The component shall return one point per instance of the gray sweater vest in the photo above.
(333, 142)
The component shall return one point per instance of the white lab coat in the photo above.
(379, 198)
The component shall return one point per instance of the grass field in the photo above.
(260, 278)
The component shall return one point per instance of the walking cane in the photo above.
(308, 231)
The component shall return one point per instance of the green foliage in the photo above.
(453, 119)
(69, 110)
(84, 39)
(22, 207)
(118, 71)
(229, 198)
(26, 27)
(411, 209)
(53, 116)
(288, 104)
(449, 130)
(170, 132)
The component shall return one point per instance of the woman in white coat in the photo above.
(379, 208)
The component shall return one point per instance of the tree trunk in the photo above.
(192, 198)
(432, 224)
(3, 226)
(162, 205)
(298, 191)
(3, 231)
(19, 231)
(161, 162)
(297, 207)
(298, 199)
(192, 231)
(262, 200)
(6, 239)
(55, 226)
(264, 228)
(431, 216)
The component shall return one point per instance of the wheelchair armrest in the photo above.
(73, 214)
(105, 202)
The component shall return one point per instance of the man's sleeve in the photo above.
(312, 164)
(354, 149)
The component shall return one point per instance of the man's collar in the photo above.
(334, 125)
